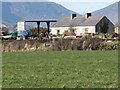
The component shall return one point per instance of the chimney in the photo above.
(87, 15)
(73, 16)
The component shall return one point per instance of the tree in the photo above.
(35, 32)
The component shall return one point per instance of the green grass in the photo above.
(55, 69)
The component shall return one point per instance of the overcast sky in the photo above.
(79, 6)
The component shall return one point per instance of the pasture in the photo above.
(60, 69)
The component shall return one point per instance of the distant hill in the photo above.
(15, 11)
(110, 11)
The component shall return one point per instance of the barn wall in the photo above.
(61, 29)
(84, 29)
(116, 30)
(105, 22)
(78, 30)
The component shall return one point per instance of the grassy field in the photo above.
(55, 69)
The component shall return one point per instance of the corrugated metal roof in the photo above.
(77, 21)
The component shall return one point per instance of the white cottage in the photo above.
(117, 28)
(83, 24)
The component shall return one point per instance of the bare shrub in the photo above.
(68, 44)
(21, 45)
(109, 45)
(91, 44)
(62, 44)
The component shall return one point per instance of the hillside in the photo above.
(110, 11)
(15, 11)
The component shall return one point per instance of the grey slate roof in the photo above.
(63, 22)
(77, 21)
(91, 21)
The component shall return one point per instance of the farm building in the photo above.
(83, 24)
(117, 30)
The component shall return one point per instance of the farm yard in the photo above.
(60, 69)
(67, 50)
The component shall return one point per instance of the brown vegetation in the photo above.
(22, 45)
(86, 42)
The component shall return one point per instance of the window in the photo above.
(73, 30)
(58, 31)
